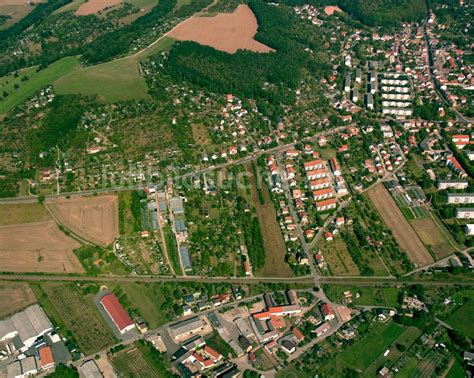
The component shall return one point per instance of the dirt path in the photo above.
(402, 230)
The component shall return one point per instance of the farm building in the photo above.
(187, 327)
(117, 313)
(28, 325)
(23, 368)
(176, 205)
(89, 369)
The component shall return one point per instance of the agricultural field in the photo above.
(403, 232)
(338, 257)
(275, 248)
(225, 32)
(75, 310)
(14, 296)
(139, 360)
(435, 238)
(95, 6)
(23, 213)
(15, 10)
(93, 218)
(36, 81)
(37, 247)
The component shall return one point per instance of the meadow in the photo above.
(36, 81)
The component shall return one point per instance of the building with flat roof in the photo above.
(186, 327)
(464, 213)
(89, 369)
(28, 325)
(459, 198)
(117, 313)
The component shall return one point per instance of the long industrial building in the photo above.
(28, 325)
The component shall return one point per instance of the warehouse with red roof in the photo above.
(117, 313)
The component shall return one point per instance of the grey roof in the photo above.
(28, 364)
(186, 326)
(23, 325)
(14, 369)
(6, 327)
(176, 204)
(460, 194)
(90, 370)
(31, 322)
(38, 318)
(184, 252)
(180, 225)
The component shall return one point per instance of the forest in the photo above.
(245, 73)
(384, 13)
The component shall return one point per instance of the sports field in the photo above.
(36, 81)
(227, 32)
(402, 231)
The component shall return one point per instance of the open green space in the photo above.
(216, 342)
(361, 355)
(461, 319)
(148, 301)
(113, 81)
(172, 250)
(369, 296)
(117, 80)
(19, 90)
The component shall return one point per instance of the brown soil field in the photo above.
(15, 296)
(95, 6)
(275, 248)
(330, 9)
(16, 12)
(93, 218)
(227, 32)
(402, 230)
(431, 235)
(37, 247)
(23, 213)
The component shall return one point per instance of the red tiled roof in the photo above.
(46, 356)
(116, 311)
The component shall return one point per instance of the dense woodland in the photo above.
(264, 76)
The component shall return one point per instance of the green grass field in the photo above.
(118, 80)
(386, 297)
(113, 81)
(172, 250)
(364, 352)
(148, 300)
(36, 81)
(461, 319)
